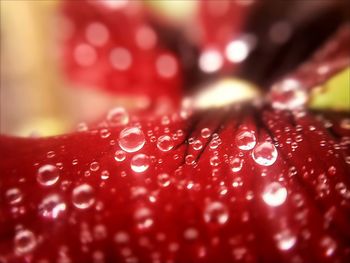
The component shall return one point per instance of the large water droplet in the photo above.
(51, 206)
(25, 241)
(165, 143)
(83, 196)
(265, 154)
(216, 213)
(131, 139)
(245, 140)
(118, 117)
(274, 194)
(140, 163)
(47, 175)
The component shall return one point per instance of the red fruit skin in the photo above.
(312, 168)
(127, 28)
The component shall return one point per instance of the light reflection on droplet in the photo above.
(237, 51)
(285, 239)
(131, 139)
(274, 194)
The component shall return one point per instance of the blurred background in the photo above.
(37, 99)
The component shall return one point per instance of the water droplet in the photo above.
(236, 164)
(104, 175)
(205, 133)
(105, 133)
(119, 155)
(165, 143)
(140, 163)
(214, 161)
(121, 237)
(265, 154)
(245, 140)
(47, 175)
(328, 246)
(131, 139)
(189, 159)
(143, 218)
(120, 58)
(191, 233)
(118, 117)
(332, 170)
(97, 34)
(216, 213)
(288, 94)
(197, 145)
(83, 196)
(274, 194)
(163, 180)
(25, 241)
(94, 166)
(14, 196)
(51, 206)
(285, 239)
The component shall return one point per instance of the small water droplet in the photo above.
(140, 163)
(205, 133)
(191, 233)
(236, 164)
(105, 133)
(197, 145)
(104, 175)
(274, 194)
(165, 143)
(14, 196)
(118, 117)
(189, 159)
(163, 180)
(83, 196)
(265, 154)
(131, 139)
(94, 166)
(214, 161)
(25, 241)
(143, 218)
(47, 175)
(51, 206)
(328, 246)
(119, 155)
(216, 213)
(332, 170)
(245, 140)
(121, 237)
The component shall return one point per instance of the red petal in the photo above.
(220, 198)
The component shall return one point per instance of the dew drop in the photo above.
(163, 180)
(274, 194)
(245, 140)
(328, 246)
(214, 161)
(216, 213)
(14, 196)
(165, 143)
(265, 154)
(119, 155)
(189, 159)
(51, 207)
(143, 218)
(191, 233)
(118, 117)
(140, 163)
(121, 237)
(197, 145)
(236, 164)
(83, 196)
(332, 170)
(47, 175)
(94, 166)
(205, 133)
(25, 241)
(131, 139)
(285, 240)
